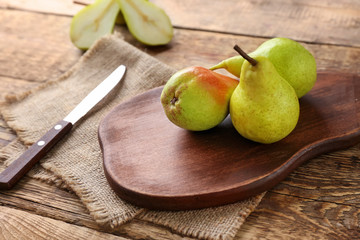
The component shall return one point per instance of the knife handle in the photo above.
(31, 156)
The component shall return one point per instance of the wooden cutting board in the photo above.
(152, 163)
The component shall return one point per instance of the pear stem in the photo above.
(244, 55)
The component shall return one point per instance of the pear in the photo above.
(120, 18)
(197, 98)
(264, 107)
(292, 61)
(147, 22)
(92, 22)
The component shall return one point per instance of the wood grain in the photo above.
(301, 218)
(39, 49)
(49, 201)
(16, 224)
(194, 48)
(190, 170)
(62, 7)
(331, 178)
(269, 221)
(334, 22)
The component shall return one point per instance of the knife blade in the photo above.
(19, 167)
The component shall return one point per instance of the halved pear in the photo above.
(93, 21)
(120, 19)
(147, 22)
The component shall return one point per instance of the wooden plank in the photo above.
(35, 48)
(16, 224)
(61, 7)
(325, 178)
(319, 200)
(277, 215)
(286, 217)
(38, 46)
(333, 177)
(204, 49)
(194, 48)
(330, 22)
(188, 48)
(306, 20)
(51, 202)
(36, 63)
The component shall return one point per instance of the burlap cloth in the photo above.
(76, 162)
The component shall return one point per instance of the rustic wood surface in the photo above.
(319, 200)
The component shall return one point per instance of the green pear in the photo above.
(264, 107)
(92, 22)
(292, 61)
(147, 22)
(197, 98)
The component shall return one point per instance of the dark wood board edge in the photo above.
(239, 192)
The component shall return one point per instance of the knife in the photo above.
(38, 150)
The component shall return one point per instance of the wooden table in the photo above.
(320, 200)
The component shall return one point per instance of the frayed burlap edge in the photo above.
(101, 215)
(14, 149)
(228, 233)
(50, 175)
(98, 212)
